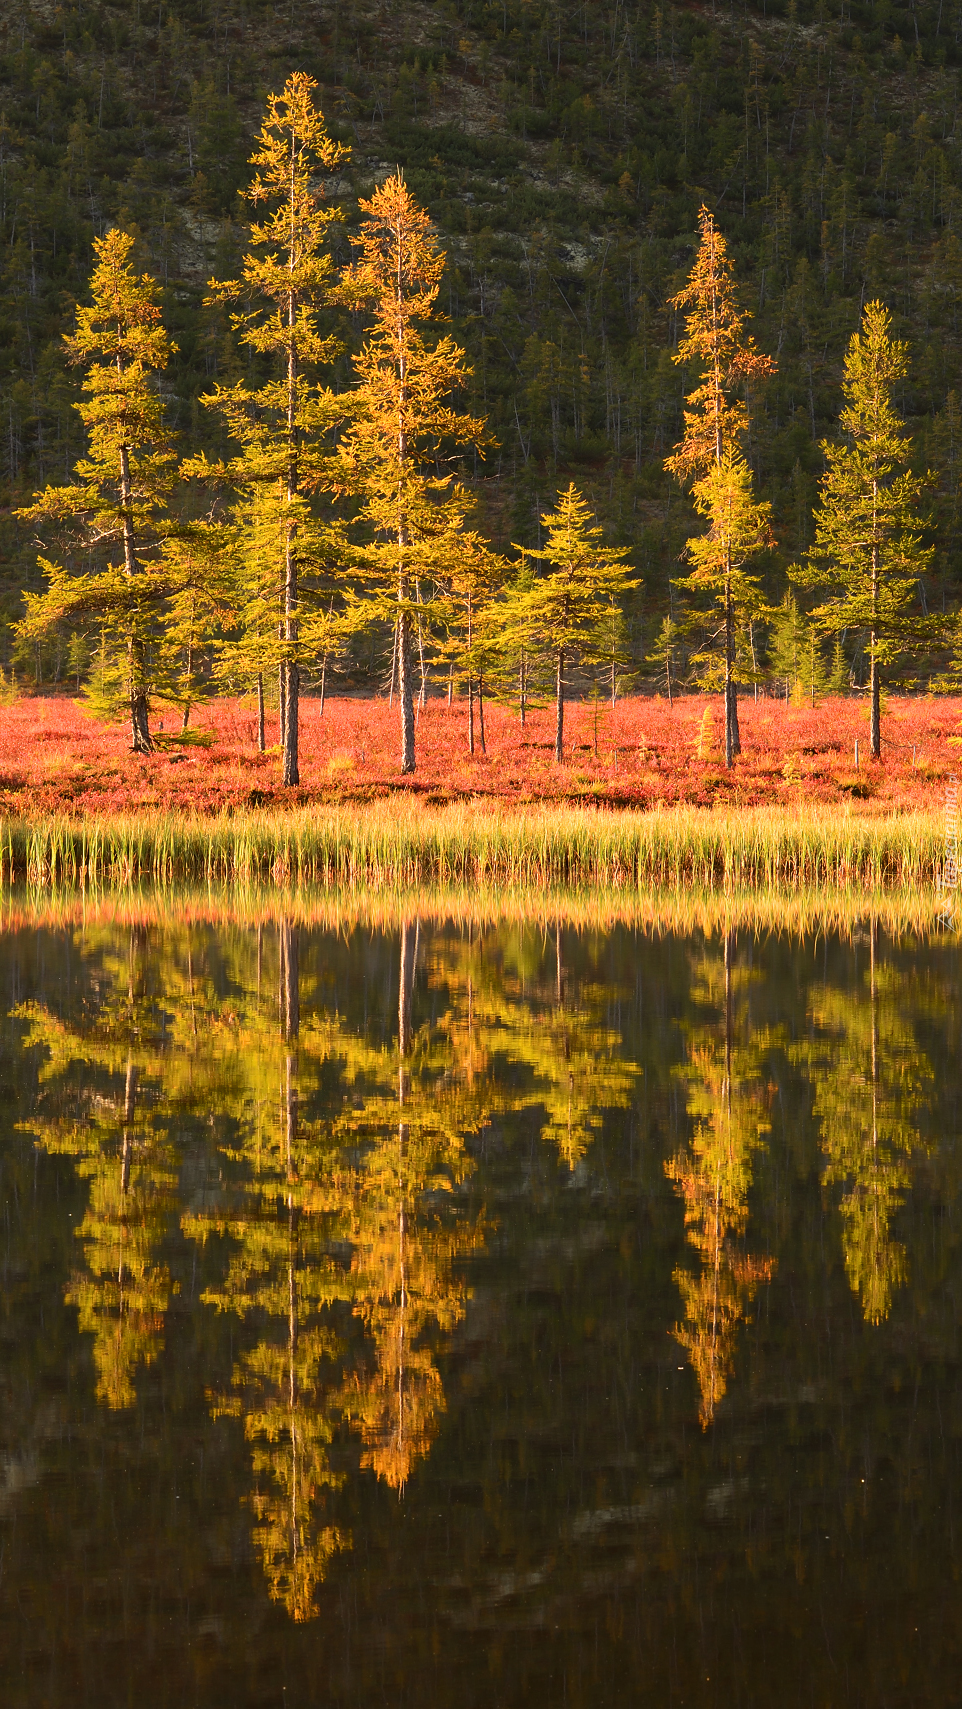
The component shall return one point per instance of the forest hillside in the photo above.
(563, 152)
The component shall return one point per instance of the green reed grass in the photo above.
(472, 845)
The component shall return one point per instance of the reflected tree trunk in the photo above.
(874, 1004)
(290, 1005)
(409, 939)
(130, 1110)
(290, 1024)
(409, 935)
(729, 959)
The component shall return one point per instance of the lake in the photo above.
(478, 1315)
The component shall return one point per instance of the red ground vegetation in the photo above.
(55, 757)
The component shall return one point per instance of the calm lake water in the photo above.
(479, 1318)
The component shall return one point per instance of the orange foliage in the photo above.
(54, 757)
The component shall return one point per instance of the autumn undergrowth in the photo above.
(56, 760)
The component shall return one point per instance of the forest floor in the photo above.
(57, 759)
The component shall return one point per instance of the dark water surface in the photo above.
(444, 1318)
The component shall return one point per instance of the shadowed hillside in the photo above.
(563, 152)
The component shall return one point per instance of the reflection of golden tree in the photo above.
(92, 1109)
(404, 1276)
(355, 1170)
(406, 1290)
(335, 1181)
(505, 1010)
(728, 1102)
(284, 1214)
(124, 1290)
(870, 1079)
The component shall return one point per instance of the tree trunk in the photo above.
(406, 692)
(484, 745)
(470, 683)
(732, 739)
(559, 726)
(261, 744)
(323, 684)
(422, 692)
(522, 689)
(281, 701)
(139, 726)
(735, 732)
(875, 731)
(291, 775)
(190, 676)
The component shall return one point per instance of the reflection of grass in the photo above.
(796, 912)
(409, 845)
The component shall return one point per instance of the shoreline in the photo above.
(474, 845)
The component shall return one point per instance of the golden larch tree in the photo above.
(403, 426)
(711, 457)
(287, 277)
(868, 550)
(112, 514)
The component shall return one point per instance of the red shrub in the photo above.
(55, 757)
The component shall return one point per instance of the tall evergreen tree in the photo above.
(710, 453)
(738, 528)
(110, 517)
(795, 660)
(663, 657)
(564, 615)
(200, 603)
(866, 547)
(285, 280)
(472, 619)
(403, 424)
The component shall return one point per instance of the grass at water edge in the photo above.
(408, 846)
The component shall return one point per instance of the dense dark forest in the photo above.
(563, 152)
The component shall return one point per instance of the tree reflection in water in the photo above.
(340, 1184)
(336, 1216)
(728, 1099)
(97, 1096)
(284, 1213)
(284, 1159)
(870, 1080)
